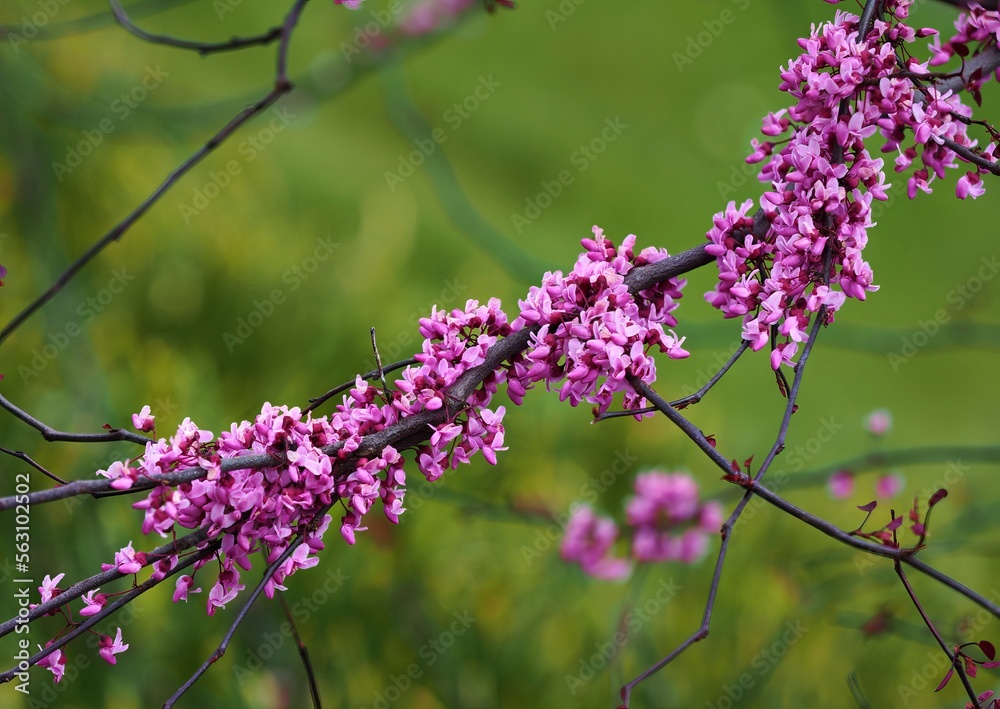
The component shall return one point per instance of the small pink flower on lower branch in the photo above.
(127, 560)
(48, 589)
(54, 662)
(110, 648)
(94, 604)
(183, 587)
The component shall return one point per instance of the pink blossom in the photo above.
(183, 587)
(109, 648)
(94, 604)
(55, 662)
(49, 589)
(669, 520)
(807, 255)
(878, 422)
(588, 540)
(888, 486)
(841, 484)
(143, 420)
(127, 560)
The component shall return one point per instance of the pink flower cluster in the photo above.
(667, 520)
(55, 661)
(590, 332)
(823, 179)
(263, 509)
(974, 27)
(593, 331)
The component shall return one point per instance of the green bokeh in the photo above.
(689, 83)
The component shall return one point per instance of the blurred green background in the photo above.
(309, 213)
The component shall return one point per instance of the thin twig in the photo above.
(702, 632)
(320, 400)
(89, 23)
(281, 86)
(27, 459)
(303, 653)
(378, 365)
(112, 608)
(50, 434)
(227, 638)
(905, 556)
(700, 394)
(203, 48)
(952, 658)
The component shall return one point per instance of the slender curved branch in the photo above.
(227, 638)
(702, 631)
(372, 375)
(97, 21)
(952, 658)
(203, 48)
(50, 434)
(303, 653)
(89, 584)
(905, 556)
(112, 608)
(281, 86)
(27, 459)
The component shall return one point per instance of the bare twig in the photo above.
(27, 459)
(227, 638)
(203, 48)
(50, 434)
(702, 631)
(303, 654)
(374, 374)
(952, 658)
(281, 86)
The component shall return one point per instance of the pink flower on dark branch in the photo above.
(109, 648)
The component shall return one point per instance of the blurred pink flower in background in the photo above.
(841, 484)
(878, 422)
(889, 485)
